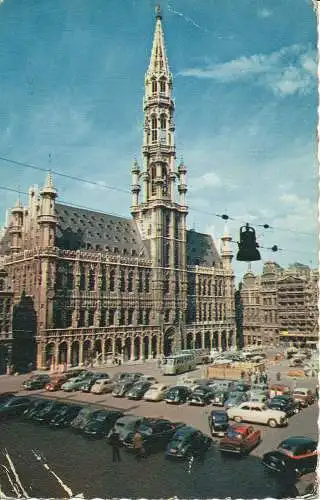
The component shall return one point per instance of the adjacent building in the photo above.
(281, 305)
(102, 286)
(6, 297)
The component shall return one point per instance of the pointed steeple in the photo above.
(158, 61)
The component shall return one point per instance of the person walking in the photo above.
(138, 445)
(115, 444)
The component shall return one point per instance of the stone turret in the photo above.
(226, 251)
(16, 227)
(47, 219)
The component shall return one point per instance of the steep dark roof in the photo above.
(201, 250)
(79, 228)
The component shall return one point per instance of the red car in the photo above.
(56, 383)
(240, 438)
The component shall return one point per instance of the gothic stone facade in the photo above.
(105, 285)
(281, 305)
(5, 319)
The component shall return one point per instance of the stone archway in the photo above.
(87, 351)
(127, 349)
(63, 350)
(168, 342)
(154, 346)
(190, 342)
(74, 358)
(230, 339)
(224, 341)
(146, 342)
(49, 354)
(215, 340)
(198, 341)
(97, 350)
(118, 346)
(207, 344)
(137, 350)
(108, 348)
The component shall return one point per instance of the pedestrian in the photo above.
(115, 445)
(278, 376)
(158, 362)
(138, 445)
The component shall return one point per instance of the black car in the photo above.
(201, 395)
(284, 403)
(178, 394)
(138, 390)
(218, 422)
(81, 419)
(294, 456)
(100, 423)
(156, 433)
(34, 406)
(90, 381)
(65, 416)
(13, 406)
(122, 388)
(219, 397)
(47, 412)
(187, 442)
(36, 382)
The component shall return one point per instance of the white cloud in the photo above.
(264, 13)
(207, 180)
(287, 71)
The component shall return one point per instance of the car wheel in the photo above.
(272, 422)
(238, 419)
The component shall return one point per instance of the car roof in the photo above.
(241, 428)
(297, 440)
(301, 389)
(186, 429)
(129, 418)
(219, 412)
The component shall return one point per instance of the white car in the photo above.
(156, 392)
(148, 378)
(102, 386)
(258, 413)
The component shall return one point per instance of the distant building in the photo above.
(104, 286)
(281, 305)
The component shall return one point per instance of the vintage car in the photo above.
(178, 394)
(74, 384)
(15, 405)
(156, 433)
(220, 396)
(138, 390)
(235, 398)
(36, 382)
(257, 413)
(201, 396)
(102, 386)
(263, 388)
(218, 422)
(157, 392)
(294, 456)
(89, 382)
(304, 396)
(56, 383)
(186, 442)
(121, 389)
(65, 416)
(285, 403)
(240, 438)
(126, 425)
(100, 423)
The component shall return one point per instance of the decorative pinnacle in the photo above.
(158, 12)
(49, 183)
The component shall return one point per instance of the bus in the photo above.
(179, 363)
(201, 355)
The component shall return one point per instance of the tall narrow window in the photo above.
(111, 316)
(166, 286)
(162, 86)
(165, 181)
(82, 279)
(163, 122)
(147, 282)
(122, 317)
(122, 280)
(130, 281)
(154, 129)
(140, 283)
(147, 317)
(90, 317)
(130, 316)
(154, 86)
(153, 180)
(91, 279)
(112, 279)
(103, 279)
(103, 317)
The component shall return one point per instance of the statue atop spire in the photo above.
(158, 12)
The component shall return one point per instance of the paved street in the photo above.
(67, 453)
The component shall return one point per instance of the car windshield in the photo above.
(220, 417)
(302, 393)
(145, 429)
(99, 417)
(233, 434)
(233, 395)
(287, 446)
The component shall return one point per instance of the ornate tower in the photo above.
(47, 219)
(160, 218)
(16, 227)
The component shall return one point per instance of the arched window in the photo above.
(153, 179)
(162, 86)
(163, 122)
(204, 288)
(130, 281)
(154, 129)
(165, 181)
(154, 86)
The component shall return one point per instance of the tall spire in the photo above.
(158, 61)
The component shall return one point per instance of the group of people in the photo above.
(138, 446)
(256, 377)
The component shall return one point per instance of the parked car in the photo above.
(81, 419)
(88, 383)
(177, 394)
(76, 372)
(34, 406)
(135, 376)
(187, 442)
(294, 456)
(242, 387)
(100, 423)
(56, 383)
(102, 386)
(257, 413)
(304, 396)
(149, 378)
(219, 397)
(257, 397)
(13, 406)
(235, 399)
(222, 385)
(262, 388)
(156, 433)
(284, 403)
(4, 396)
(45, 414)
(240, 438)
(126, 425)
(74, 384)
(121, 389)
(35, 382)
(157, 392)
(138, 390)
(218, 422)
(65, 416)
(121, 377)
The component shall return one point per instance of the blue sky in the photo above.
(72, 76)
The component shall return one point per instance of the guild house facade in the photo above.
(105, 286)
(280, 306)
